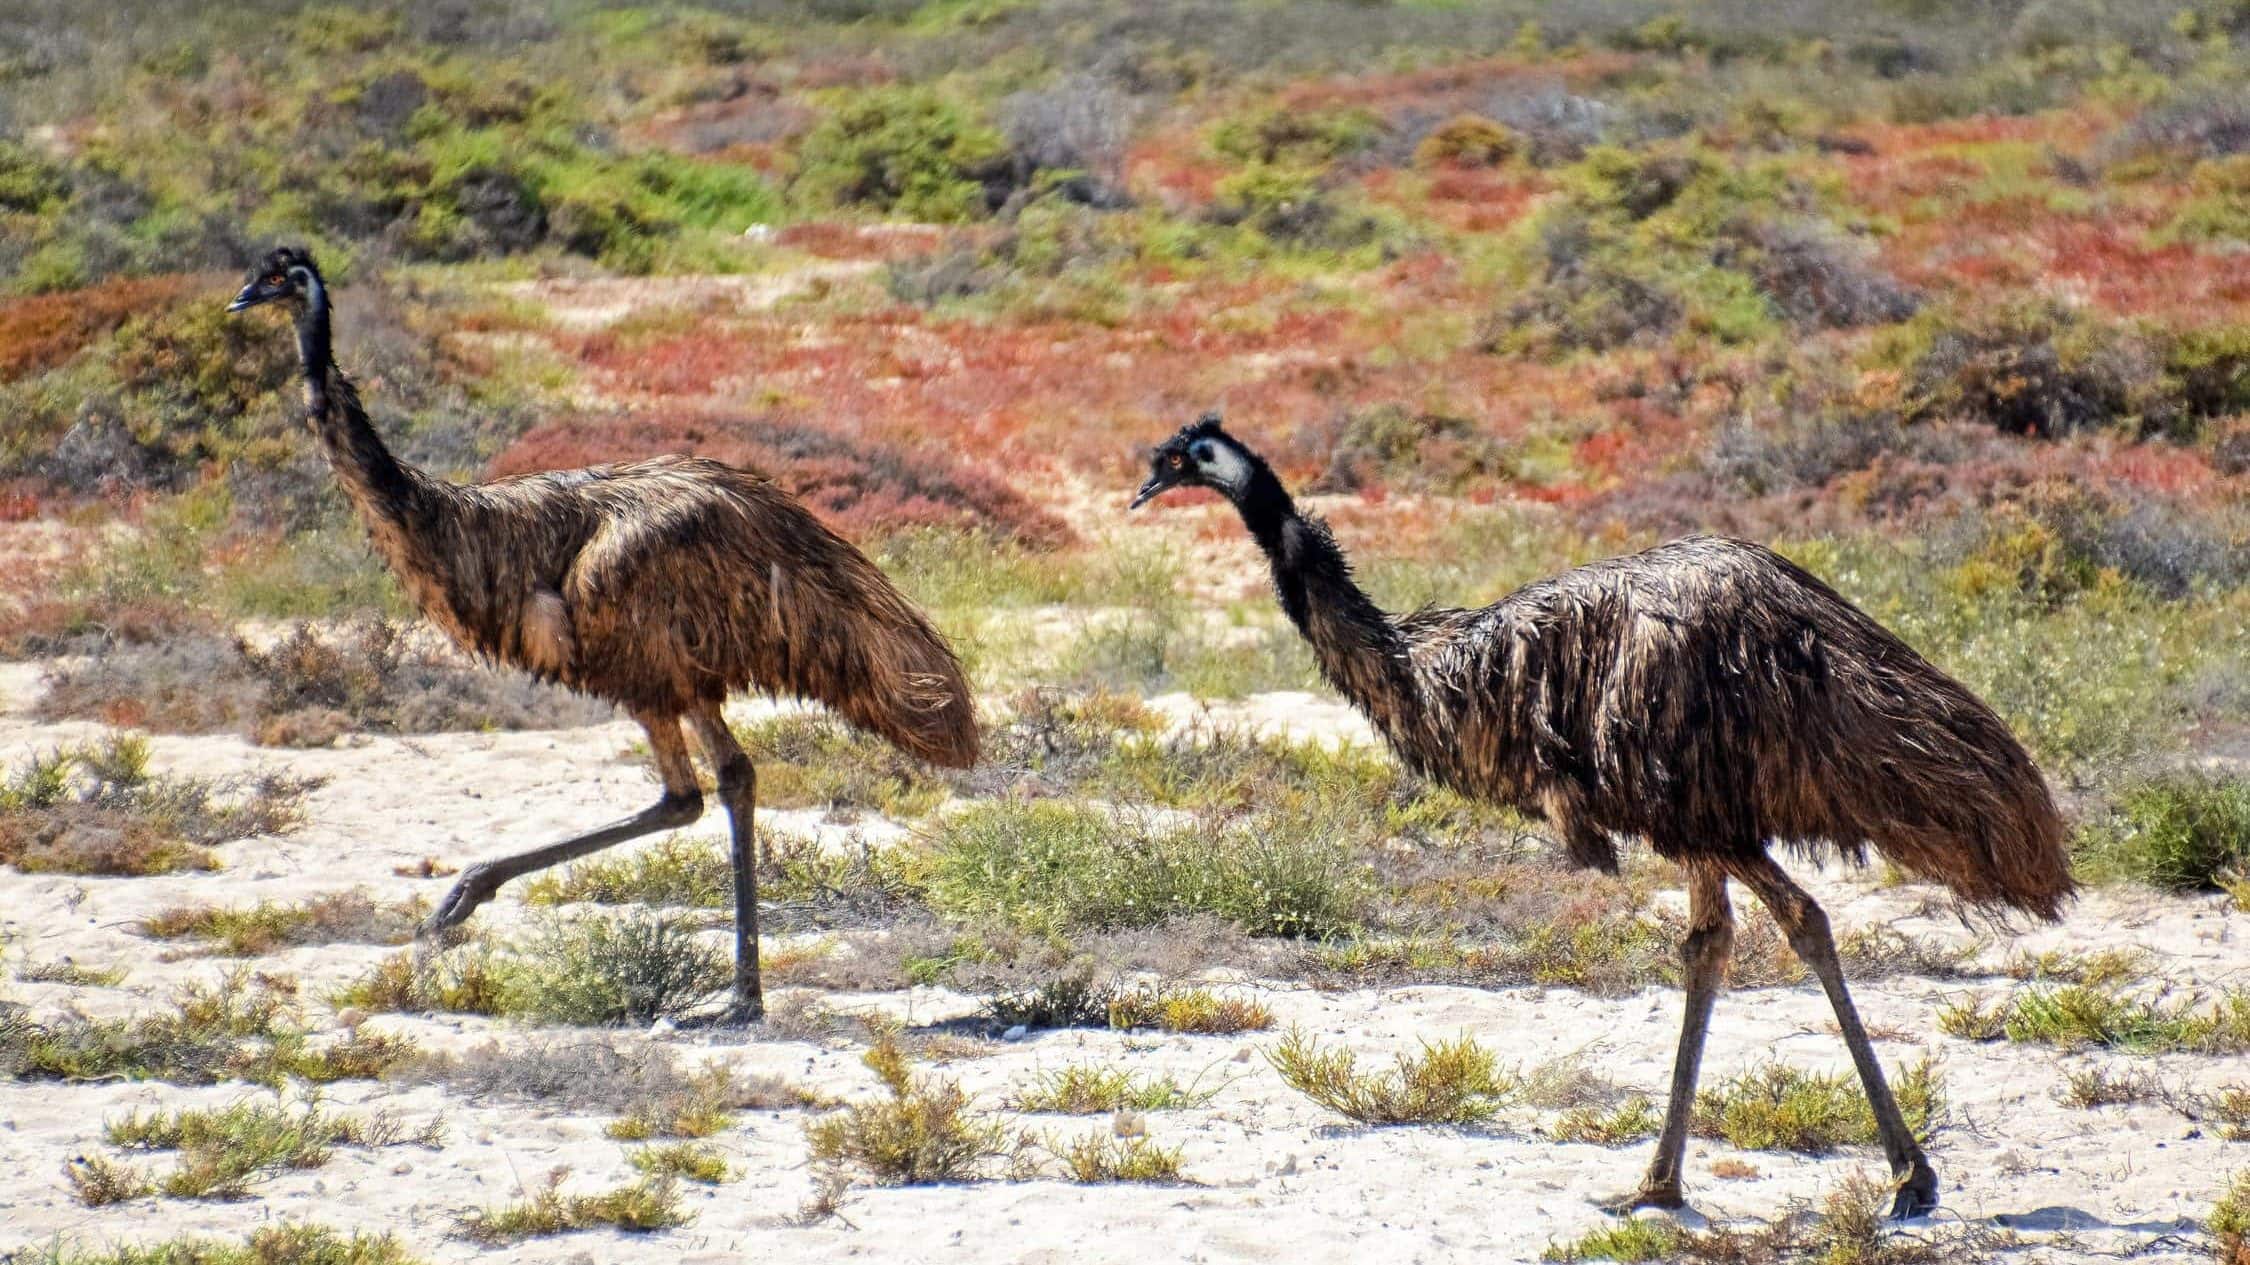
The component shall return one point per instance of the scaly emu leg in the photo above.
(1807, 928)
(738, 790)
(682, 804)
(1703, 957)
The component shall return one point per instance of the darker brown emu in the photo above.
(1707, 696)
(661, 585)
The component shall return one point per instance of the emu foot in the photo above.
(743, 1011)
(1651, 1194)
(1917, 1193)
(477, 885)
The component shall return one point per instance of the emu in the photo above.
(661, 586)
(1706, 696)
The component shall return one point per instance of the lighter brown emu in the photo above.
(1707, 696)
(661, 585)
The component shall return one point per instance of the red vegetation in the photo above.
(45, 330)
(860, 487)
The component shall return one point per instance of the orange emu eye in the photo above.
(1178, 461)
(274, 280)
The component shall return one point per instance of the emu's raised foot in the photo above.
(1917, 1194)
(476, 886)
(1650, 1195)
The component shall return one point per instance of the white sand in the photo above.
(1280, 1179)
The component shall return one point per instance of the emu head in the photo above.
(1202, 455)
(287, 272)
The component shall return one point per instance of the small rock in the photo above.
(401, 1169)
(663, 1027)
(1242, 1055)
(1017, 1033)
(1287, 1168)
(1128, 1124)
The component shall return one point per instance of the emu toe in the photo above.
(1917, 1195)
(476, 886)
(1649, 1195)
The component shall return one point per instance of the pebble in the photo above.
(1017, 1033)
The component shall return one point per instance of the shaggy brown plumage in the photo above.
(661, 585)
(1708, 696)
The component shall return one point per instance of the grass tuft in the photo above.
(689, 1161)
(1104, 1157)
(284, 1243)
(2183, 831)
(1628, 1122)
(1452, 1082)
(96, 809)
(922, 1133)
(250, 930)
(1192, 1010)
(1084, 1089)
(648, 1204)
(1780, 1108)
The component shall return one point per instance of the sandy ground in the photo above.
(1278, 1179)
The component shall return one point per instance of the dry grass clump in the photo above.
(77, 974)
(2229, 1222)
(1780, 1108)
(1105, 1157)
(652, 1203)
(1848, 1229)
(2078, 1016)
(308, 689)
(96, 809)
(241, 1029)
(1451, 1082)
(922, 1133)
(1070, 1000)
(598, 971)
(808, 881)
(688, 1161)
(2093, 1087)
(641, 1082)
(1193, 1010)
(249, 930)
(2097, 969)
(1085, 1089)
(283, 1243)
(812, 760)
(224, 1151)
(1627, 1122)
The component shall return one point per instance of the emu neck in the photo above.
(379, 485)
(1358, 647)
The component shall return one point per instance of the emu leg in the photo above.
(1807, 928)
(738, 789)
(682, 804)
(1703, 954)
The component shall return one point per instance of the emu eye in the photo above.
(1178, 461)
(275, 279)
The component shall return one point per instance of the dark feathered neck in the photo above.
(377, 481)
(1358, 646)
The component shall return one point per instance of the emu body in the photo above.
(1707, 696)
(661, 585)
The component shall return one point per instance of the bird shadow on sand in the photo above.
(2062, 1219)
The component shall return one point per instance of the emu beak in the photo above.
(249, 298)
(1156, 483)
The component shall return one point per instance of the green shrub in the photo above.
(923, 1132)
(649, 1204)
(902, 151)
(1779, 1108)
(1452, 1082)
(283, 1243)
(1054, 866)
(2183, 831)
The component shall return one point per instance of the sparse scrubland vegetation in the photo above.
(1944, 302)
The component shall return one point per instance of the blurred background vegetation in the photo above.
(1947, 300)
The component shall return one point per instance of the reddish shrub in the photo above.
(41, 332)
(859, 487)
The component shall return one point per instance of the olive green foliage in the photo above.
(1646, 243)
(281, 1243)
(2183, 832)
(906, 151)
(922, 1131)
(1780, 1108)
(1060, 866)
(1451, 1082)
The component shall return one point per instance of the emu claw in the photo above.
(475, 887)
(1917, 1196)
(1668, 1198)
